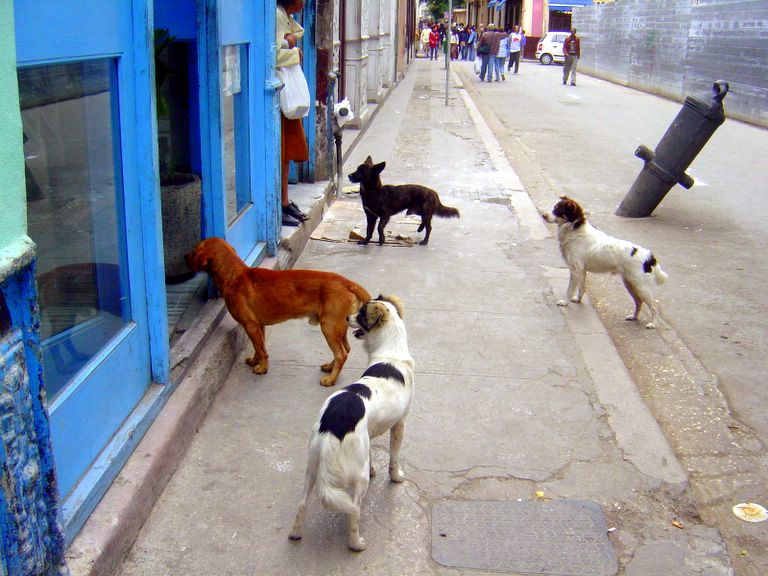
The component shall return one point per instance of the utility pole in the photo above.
(448, 52)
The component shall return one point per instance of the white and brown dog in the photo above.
(587, 249)
(339, 466)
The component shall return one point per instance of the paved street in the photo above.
(517, 400)
(703, 372)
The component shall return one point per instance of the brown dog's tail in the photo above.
(360, 293)
(446, 211)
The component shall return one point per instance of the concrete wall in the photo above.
(678, 48)
(13, 215)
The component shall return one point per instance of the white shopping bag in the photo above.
(294, 97)
(478, 64)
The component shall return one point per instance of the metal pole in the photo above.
(448, 53)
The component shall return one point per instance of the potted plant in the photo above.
(180, 191)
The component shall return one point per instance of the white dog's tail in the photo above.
(652, 265)
(340, 465)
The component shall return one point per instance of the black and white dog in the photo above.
(339, 466)
(587, 249)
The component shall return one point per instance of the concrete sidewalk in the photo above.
(517, 400)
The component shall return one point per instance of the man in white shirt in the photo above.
(515, 39)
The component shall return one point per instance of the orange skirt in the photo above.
(293, 142)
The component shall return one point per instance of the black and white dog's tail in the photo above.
(651, 266)
(339, 464)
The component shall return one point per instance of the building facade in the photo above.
(131, 128)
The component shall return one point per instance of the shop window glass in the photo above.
(72, 163)
(234, 128)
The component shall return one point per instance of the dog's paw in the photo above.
(294, 536)
(576, 299)
(650, 325)
(396, 475)
(630, 318)
(327, 381)
(261, 368)
(357, 544)
(423, 242)
(562, 302)
(327, 367)
(363, 242)
(251, 361)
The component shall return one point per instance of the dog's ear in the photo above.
(395, 301)
(379, 168)
(368, 161)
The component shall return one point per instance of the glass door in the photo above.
(86, 212)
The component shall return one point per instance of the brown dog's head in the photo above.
(375, 313)
(367, 173)
(566, 211)
(199, 259)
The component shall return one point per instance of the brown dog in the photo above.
(257, 298)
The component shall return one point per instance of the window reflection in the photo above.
(234, 128)
(69, 119)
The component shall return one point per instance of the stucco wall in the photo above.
(13, 216)
(678, 48)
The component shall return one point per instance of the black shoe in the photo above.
(293, 211)
(289, 220)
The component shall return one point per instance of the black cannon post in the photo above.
(666, 166)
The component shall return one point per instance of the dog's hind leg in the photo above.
(638, 302)
(260, 359)
(383, 221)
(426, 223)
(309, 484)
(356, 542)
(396, 434)
(646, 295)
(335, 335)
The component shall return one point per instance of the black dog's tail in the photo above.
(446, 211)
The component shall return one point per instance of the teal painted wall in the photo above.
(13, 215)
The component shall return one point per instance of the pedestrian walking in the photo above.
(425, 40)
(434, 38)
(571, 51)
(463, 36)
(454, 42)
(515, 47)
(488, 45)
(501, 55)
(471, 42)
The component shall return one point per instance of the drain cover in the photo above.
(564, 538)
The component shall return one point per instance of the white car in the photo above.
(550, 48)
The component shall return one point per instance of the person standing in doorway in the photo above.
(571, 51)
(515, 46)
(293, 142)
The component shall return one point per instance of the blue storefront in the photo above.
(96, 140)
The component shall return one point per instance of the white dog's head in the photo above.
(375, 314)
(566, 211)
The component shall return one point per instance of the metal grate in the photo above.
(564, 538)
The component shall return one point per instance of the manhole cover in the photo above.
(564, 538)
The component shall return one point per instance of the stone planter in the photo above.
(181, 222)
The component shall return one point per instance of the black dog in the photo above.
(382, 202)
